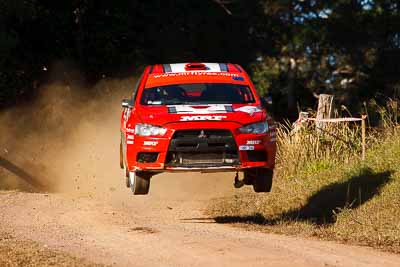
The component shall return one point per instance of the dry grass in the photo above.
(304, 150)
(322, 189)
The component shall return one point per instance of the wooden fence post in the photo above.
(363, 135)
(325, 110)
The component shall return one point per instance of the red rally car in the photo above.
(204, 117)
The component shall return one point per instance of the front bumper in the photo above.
(202, 152)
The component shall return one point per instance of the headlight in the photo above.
(149, 130)
(255, 128)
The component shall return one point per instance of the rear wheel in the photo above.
(260, 178)
(139, 182)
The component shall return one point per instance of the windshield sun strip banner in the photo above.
(193, 109)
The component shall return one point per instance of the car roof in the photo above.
(181, 73)
(196, 66)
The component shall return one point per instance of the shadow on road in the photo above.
(198, 220)
(21, 173)
(323, 207)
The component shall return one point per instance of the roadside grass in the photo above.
(322, 189)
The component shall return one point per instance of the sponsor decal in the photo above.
(238, 78)
(130, 137)
(150, 143)
(202, 118)
(154, 102)
(253, 142)
(246, 148)
(129, 142)
(129, 130)
(249, 109)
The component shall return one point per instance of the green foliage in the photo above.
(264, 74)
(293, 48)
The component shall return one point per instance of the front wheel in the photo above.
(139, 182)
(121, 156)
(260, 178)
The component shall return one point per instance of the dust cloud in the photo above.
(67, 141)
(64, 139)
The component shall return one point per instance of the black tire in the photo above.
(139, 183)
(127, 178)
(260, 178)
(121, 156)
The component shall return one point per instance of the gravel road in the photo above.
(165, 228)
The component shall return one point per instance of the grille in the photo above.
(208, 133)
(194, 148)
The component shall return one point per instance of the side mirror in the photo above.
(127, 103)
(266, 101)
(267, 98)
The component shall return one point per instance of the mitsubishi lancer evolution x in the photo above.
(200, 117)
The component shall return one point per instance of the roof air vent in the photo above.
(195, 66)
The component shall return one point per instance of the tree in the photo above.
(294, 48)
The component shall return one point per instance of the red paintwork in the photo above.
(157, 69)
(159, 116)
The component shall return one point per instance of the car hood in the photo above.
(163, 115)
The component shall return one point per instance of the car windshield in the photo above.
(199, 93)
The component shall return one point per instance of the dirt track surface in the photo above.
(162, 230)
